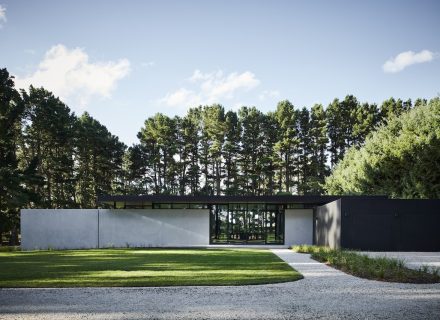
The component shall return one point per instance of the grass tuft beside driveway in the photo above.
(380, 268)
(142, 267)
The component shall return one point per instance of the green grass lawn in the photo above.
(380, 268)
(142, 267)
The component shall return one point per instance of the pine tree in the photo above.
(393, 108)
(366, 119)
(341, 118)
(318, 146)
(99, 158)
(15, 182)
(213, 123)
(49, 135)
(231, 153)
(268, 159)
(287, 147)
(305, 151)
(192, 132)
(251, 149)
(158, 139)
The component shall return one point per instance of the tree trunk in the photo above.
(13, 240)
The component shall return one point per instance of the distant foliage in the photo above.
(214, 152)
(400, 159)
(248, 152)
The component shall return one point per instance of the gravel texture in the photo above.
(412, 260)
(324, 293)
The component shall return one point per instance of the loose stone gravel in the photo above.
(324, 293)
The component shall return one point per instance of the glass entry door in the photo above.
(252, 223)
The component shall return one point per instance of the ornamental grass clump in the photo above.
(363, 266)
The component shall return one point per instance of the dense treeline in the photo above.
(213, 151)
(401, 159)
(51, 158)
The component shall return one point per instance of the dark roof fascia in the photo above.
(314, 199)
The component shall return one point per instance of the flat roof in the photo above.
(311, 199)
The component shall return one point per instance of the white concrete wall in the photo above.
(298, 226)
(153, 227)
(80, 229)
(59, 229)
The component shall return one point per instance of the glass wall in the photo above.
(251, 223)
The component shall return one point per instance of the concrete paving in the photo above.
(324, 293)
(413, 260)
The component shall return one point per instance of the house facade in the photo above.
(357, 222)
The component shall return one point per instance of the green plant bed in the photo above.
(360, 265)
(9, 248)
(142, 267)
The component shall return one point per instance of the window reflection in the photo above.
(252, 223)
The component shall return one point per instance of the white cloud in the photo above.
(405, 59)
(269, 94)
(2, 15)
(181, 97)
(211, 88)
(70, 75)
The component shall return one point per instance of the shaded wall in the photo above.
(391, 224)
(327, 226)
(98, 228)
(298, 226)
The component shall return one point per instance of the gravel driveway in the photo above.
(324, 293)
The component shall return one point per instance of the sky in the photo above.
(124, 61)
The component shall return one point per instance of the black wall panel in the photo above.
(390, 224)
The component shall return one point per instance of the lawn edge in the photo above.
(315, 251)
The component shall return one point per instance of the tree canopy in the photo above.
(401, 159)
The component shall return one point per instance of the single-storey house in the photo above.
(356, 222)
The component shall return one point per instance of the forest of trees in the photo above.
(51, 158)
(248, 152)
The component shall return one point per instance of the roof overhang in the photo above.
(276, 199)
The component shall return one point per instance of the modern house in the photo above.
(357, 222)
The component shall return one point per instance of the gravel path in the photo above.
(412, 260)
(323, 293)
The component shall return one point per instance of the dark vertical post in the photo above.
(228, 232)
(98, 229)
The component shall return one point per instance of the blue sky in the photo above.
(123, 61)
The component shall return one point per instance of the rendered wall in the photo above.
(59, 229)
(98, 228)
(298, 226)
(154, 228)
(328, 224)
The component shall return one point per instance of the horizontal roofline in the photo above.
(315, 199)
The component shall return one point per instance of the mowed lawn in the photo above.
(142, 267)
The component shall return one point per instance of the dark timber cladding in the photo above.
(379, 224)
(391, 224)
